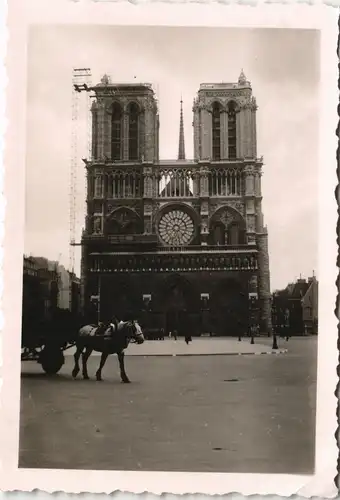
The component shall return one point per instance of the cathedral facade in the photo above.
(180, 244)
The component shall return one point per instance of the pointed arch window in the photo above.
(236, 234)
(133, 131)
(216, 131)
(116, 132)
(219, 234)
(94, 133)
(232, 130)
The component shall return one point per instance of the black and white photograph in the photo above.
(170, 275)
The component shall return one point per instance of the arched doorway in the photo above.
(229, 308)
(120, 298)
(180, 304)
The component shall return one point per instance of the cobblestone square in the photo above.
(212, 413)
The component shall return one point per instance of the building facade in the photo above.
(310, 306)
(181, 243)
(296, 307)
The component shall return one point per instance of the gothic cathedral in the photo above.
(181, 243)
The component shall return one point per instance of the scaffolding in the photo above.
(81, 112)
(81, 81)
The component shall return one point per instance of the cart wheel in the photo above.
(51, 359)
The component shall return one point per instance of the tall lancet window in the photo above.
(232, 130)
(133, 131)
(116, 132)
(216, 131)
(94, 133)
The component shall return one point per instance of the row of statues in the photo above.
(174, 262)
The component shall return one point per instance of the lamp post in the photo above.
(253, 313)
(274, 322)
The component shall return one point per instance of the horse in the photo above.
(114, 340)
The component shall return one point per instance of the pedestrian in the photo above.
(188, 339)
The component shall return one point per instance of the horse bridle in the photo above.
(132, 329)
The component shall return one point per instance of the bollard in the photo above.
(275, 346)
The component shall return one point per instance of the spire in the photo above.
(181, 146)
(242, 80)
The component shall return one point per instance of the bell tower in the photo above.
(224, 121)
(125, 122)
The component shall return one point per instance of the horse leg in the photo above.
(103, 359)
(76, 356)
(123, 375)
(85, 357)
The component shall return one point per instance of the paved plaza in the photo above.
(201, 346)
(205, 413)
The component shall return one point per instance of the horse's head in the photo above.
(135, 331)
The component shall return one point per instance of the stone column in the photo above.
(258, 199)
(206, 129)
(148, 178)
(147, 212)
(204, 194)
(149, 135)
(204, 222)
(250, 204)
(253, 128)
(248, 134)
(249, 181)
(196, 126)
(157, 138)
(224, 135)
(142, 135)
(196, 183)
(257, 183)
(264, 282)
(239, 145)
(204, 184)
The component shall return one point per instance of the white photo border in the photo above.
(21, 16)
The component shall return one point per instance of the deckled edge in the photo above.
(337, 302)
(3, 130)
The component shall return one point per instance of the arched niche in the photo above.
(123, 220)
(227, 227)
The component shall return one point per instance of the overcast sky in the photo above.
(283, 67)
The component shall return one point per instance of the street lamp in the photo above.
(274, 323)
(253, 314)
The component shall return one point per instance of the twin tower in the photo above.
(197, 223)
(126, 122)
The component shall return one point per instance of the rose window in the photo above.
(176, 228)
